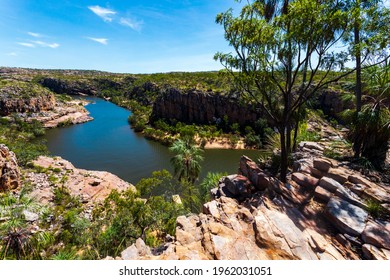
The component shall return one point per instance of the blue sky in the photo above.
(130, 36)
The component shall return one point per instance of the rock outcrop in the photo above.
(23, 98)
(72, 87)
(9, 170)
(321, 213)
(89, 186)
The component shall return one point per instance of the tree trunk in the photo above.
(358, 89)
(283, 156)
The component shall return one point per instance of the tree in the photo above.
(186, 162)
(368, 38)
(370, 127)
(283, 56)
(367, 33)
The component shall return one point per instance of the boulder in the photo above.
(322, 194)
(9, 170)
(373, 253)
(349, 196)
(357, 189)
(237, 186)
(305, 180)
(256, 176)
(338, 174)
(322, 164)
(329, 184)
(311, 146)
(130, 253)
(377, 233)
(346, 217)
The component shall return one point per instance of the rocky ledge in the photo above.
(90, 186)
(64, 113)
(324, 212)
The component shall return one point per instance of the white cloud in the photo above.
(132, 23)
(36, 35)
(104, 13)
(29, 45)
(44, 44)
(102, 41)
(12, 54)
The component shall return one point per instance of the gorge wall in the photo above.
(13, 99)
(199, 107)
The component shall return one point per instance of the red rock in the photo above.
(9, 170)
(378, 234)
(338, 174)
(317, 173)
(330, 184)
(322, 164)
(322, 194)
(305, 180)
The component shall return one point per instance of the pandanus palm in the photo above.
(186, 162)
(370, 127)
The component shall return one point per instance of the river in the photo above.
(108, 143)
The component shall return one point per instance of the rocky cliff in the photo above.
(9, 170)
(24, 98)
(193, 106)
(72, 87)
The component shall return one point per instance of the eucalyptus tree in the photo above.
(281, 59)
(367, 35)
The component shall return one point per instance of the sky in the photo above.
(123, 36)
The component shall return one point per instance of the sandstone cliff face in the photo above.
(201, 107)
(9, 170)
(75, 87)
(16, 99)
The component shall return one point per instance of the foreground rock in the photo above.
(346, 217)
(321, 213)
(9, 170)
(89, 186)
(228, 230)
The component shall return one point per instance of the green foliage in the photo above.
(65, 255)
(208, 183)
(124, 217)
(17, 241)
(161, 183)
(375, 209)
(23, 138)
(305, 135)
(283, 57)
(66, 122)
(186, 161)
(370, 127)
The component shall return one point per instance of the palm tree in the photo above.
(370, 127)
(186, 162)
